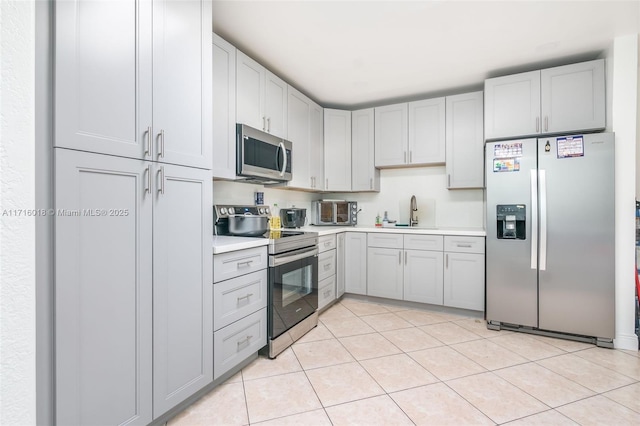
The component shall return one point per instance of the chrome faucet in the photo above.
(413, 221)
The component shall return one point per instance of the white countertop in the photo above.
(328, 230)
(224, 244)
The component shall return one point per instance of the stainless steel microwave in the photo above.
(262, 157)
(325, 212)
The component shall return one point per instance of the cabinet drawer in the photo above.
(385, 240)
(236, 263)
(424, 242)
(326, 264)
(464, 244)
(237, 341)
(238, 297)
(326, 291)
(326, 242)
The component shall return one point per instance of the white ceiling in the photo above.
(349, 54)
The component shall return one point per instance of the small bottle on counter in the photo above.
(378, 223)
(274, 221)
(385, 219)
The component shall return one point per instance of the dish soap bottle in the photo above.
(385, 219)
(274, 221)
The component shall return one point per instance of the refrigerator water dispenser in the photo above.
(511, 221)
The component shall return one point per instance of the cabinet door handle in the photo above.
(327, 243)
(537, 124)
(245, 340)
(161, 175)
(147, 187)
(312, 181)
(246, 296)
(246, 264)
(448, 181)
(269, 124)
(327, 266)
(161, 144)
(370, 183)
(405, 257)
(327, 187)
(264, 123)
(446, 263)
(147, 148)
(546, 123)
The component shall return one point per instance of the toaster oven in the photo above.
(326, 212)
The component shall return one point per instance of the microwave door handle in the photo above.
(284, 155)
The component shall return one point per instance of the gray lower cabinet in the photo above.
(182, 293)
(384, 268)
(133, 306)
(240, 307)
(423, 276)
(355, 263)
(340, 264)
(327, 267)
(464, 272)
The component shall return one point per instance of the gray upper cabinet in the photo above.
(299, 122)
(427, 132)
(261, 97)
(135, 92)
(573, 97)
(103, 78)
(465, 144)
(224, 109)
(391, 135)
(316, 145)
(337, 148)
(103, 290)
(554, 100)
(364, 175)
(182, 291)
(182, 69)
(512, 105)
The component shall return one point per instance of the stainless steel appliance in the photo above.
(550, 236)
(293, 278)
(262, 157)
(293, 217)
(331, 212)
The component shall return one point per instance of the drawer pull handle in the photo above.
(464, 245)
(327, 243)
(327, 266)
(245, 340)
(246, 264)
(246, 296)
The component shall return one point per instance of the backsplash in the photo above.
(437, 206)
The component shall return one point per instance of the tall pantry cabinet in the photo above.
(133, 296)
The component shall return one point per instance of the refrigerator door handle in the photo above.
(543, 220)
(534, 219)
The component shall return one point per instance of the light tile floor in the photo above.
(376, 364)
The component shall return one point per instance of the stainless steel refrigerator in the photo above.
(550, 236)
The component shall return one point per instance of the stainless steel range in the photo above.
(293, 276)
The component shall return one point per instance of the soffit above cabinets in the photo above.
(352, 54)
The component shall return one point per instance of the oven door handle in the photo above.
(282, 259)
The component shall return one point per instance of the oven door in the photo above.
(293, 289)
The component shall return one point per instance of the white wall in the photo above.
(624, 97)
(17, 234)
(437, 206)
